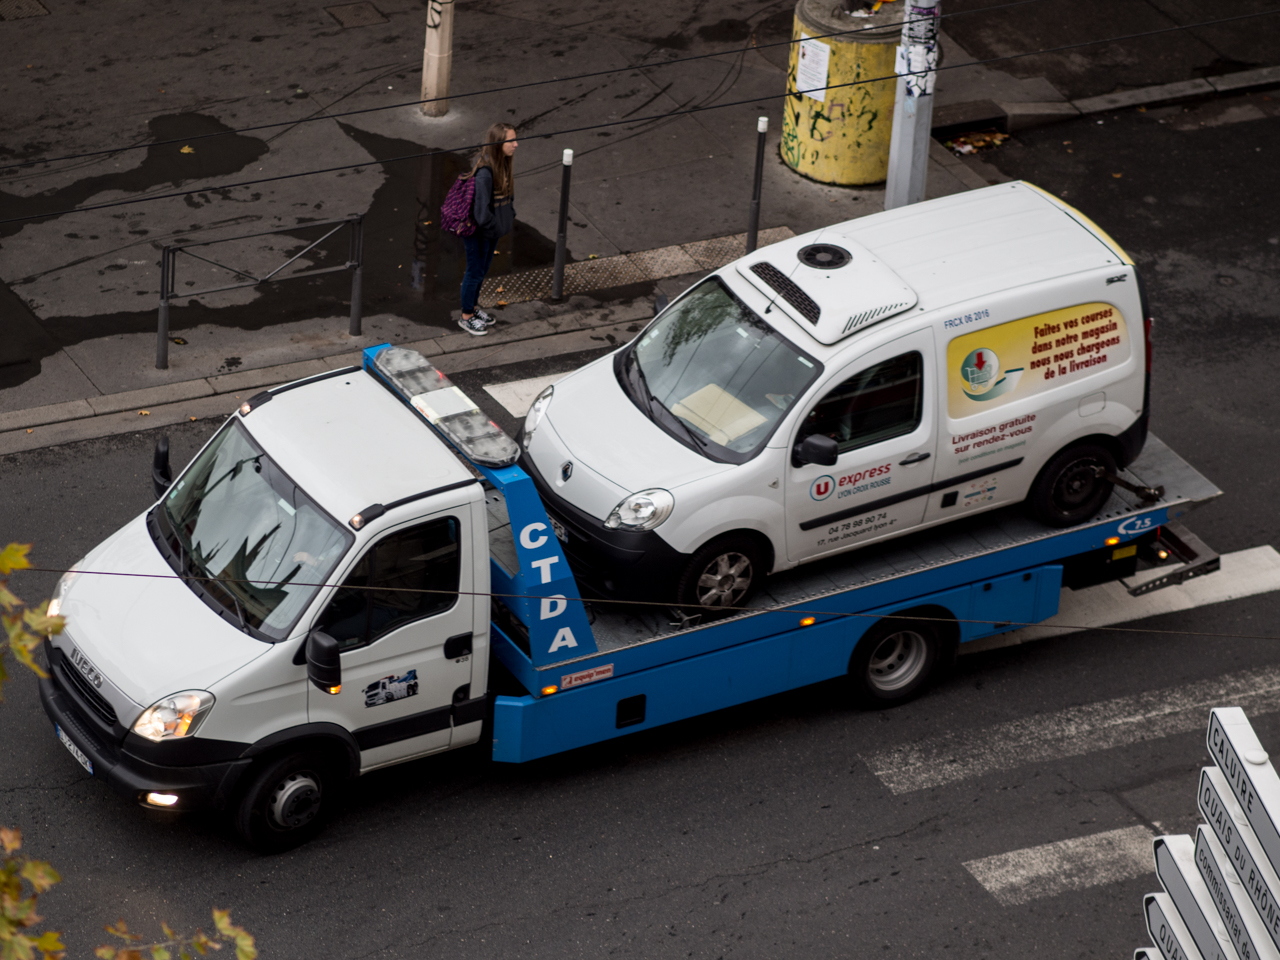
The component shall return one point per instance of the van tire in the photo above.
(894, 661)
(736, 561)
(287, 802)
(1067, 491)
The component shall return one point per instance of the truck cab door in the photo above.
(402, 629)
(880, 410)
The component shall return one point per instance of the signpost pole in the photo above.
(916, 67)
(753, 220)
(437, 58)
(557, 275)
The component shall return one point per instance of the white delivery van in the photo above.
(850, 385)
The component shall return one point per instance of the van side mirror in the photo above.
(161, 475)
(816, 448)
(660, 303)
(324, 666)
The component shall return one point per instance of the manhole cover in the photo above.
(21, 9)
(348, 14)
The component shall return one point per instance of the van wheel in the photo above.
(1069, 490)
(721, 575)
(286, 803)
(893, 662)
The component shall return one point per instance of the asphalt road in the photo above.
(765, 830)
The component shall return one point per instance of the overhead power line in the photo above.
(473, 93)
(665, 605)
(614, 123)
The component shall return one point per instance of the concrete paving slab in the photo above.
(58, 381)
(113, 424)
(1245, 79)
(1020, 116)
(39, 416)
(149, 397)
(1143, 95)
(268, 376)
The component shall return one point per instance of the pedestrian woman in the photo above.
(494, 216)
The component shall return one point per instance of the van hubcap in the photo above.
(725, 580)
(295, 801)
(1077, 484)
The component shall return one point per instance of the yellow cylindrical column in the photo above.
(841, 135)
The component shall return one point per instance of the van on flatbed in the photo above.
(246, 643)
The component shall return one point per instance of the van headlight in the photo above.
(642, 511)
(60, 591)
(535, 414)
(175, 716)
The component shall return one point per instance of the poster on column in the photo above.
(811, 70)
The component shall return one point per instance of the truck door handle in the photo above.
(914, 458)
(457, 646)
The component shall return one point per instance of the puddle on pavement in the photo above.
(395, 234)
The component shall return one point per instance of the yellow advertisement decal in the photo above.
(988, 368)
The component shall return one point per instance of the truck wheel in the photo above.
(286, 803)
(723, 574)
(1068, 490)
(893, 662)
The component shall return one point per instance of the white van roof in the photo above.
(348, 442)
(931, 255)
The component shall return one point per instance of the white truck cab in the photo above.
(190, 661)
(850, 385)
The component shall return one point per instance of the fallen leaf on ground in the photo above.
(967, 143)
(1117, 175)
(501, 303)
(188, 149)
(500, 290)
(29, 430)
(144, 413)
(190, 418)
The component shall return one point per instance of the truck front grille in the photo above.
(91, 697)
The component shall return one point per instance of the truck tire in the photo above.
(721, 575)
(286, 802)
(894, 661)
(1068, 490)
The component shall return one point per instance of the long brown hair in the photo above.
(491, 156)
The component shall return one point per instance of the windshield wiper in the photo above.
(650, 400)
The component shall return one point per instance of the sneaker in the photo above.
(485, 317)
(473, 325)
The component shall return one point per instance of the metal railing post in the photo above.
(357, 274)
(753, 219)
(557, 277)
(162, 325)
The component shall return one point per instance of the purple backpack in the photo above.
(455, 214)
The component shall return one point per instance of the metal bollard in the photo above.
(557, 277)
(162, 325)
(357, 274)
(753, 219)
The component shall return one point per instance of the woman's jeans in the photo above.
(479, 256)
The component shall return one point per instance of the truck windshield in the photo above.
(719, 371)
(237, 519)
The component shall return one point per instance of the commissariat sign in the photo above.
(1219, 899)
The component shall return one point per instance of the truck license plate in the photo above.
(561, 533)
(75, 751)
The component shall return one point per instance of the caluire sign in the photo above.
(1219, 898)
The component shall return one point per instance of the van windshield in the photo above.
(264, 545)
(715, 375)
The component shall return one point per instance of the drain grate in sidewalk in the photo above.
(21, 9)
(355, 14)
(587, 275)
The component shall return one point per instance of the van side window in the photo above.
(875, 404)
(378, 595)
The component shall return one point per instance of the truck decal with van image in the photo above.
(392, 688)
(1022, 357)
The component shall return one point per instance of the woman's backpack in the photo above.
(455, 213)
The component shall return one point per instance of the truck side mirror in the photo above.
(816, 448)
(161, 475)
(660, 303)
(324, 666)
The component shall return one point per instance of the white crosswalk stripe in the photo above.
(518, 395)
(1073, 732)
(1024, 875)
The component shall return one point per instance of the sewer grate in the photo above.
(354, 14)
(587, 275)
(21, 9)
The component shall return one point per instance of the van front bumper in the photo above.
(197, 786)
(618, 564)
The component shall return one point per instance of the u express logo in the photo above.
(822, 488)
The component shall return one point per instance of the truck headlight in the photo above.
(642, 511)
(535, 414)
(175, 716)
(60, 591)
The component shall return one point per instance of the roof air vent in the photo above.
(790, 292)
(824, 256)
